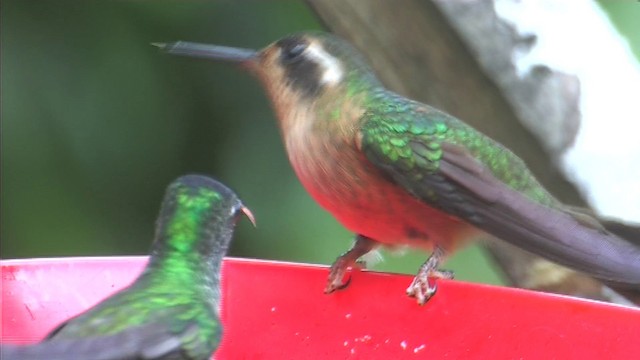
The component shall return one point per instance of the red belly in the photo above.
(365, 202)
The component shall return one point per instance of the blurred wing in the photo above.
(448, 177)
(152, 341)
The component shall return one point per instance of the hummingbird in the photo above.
(171, 311)
(398, 172)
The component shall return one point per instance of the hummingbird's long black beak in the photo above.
(205, 51)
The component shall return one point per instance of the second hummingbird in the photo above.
(398, 172)
(171, 311)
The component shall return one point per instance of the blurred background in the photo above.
(96, 123)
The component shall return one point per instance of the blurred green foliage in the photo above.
(625, 16)
(95, 124)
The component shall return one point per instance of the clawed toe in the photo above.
(424, 284)
(336, 284)
(361, 246)
(422, 289)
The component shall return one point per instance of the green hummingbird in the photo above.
(171, 311)
(398, 172)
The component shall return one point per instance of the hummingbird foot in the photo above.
(424, 286)
(360, 247)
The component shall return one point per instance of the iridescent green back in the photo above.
(179, 289)
(410, 135)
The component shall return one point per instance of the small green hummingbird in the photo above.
(171, 311)
(398, 172)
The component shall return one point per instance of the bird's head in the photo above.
(296, 70)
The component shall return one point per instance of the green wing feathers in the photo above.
(452, 167)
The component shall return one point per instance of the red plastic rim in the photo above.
(277, 310)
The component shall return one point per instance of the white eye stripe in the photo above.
(331, 68)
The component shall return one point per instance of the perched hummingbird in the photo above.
(399, 172)
(171, 311)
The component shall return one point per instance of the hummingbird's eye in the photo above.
(292, 54)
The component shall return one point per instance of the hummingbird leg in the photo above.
(422, 287)
(361, 246)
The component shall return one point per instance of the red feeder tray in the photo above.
(275, 310)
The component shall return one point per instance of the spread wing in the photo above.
(424, 153)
